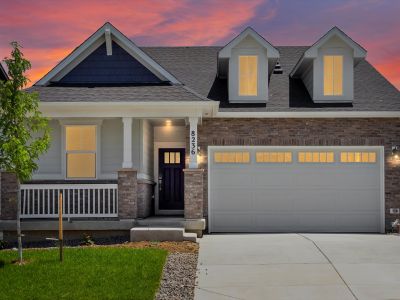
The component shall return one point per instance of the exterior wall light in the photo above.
(168, 122)
(396, 152)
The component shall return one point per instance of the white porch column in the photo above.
(193, 143)
(127, 156)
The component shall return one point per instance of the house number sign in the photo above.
(193, 142)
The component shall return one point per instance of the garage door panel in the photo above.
(233, 222)
(235, 199)
(233, 177)
(273, 176)
(358, 199)
(273, 200)
(295, 197)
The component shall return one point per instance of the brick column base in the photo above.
(8, 196)
(194, 193)
(127, 194)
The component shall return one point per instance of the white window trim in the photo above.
(64, 124)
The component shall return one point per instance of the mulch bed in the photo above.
(179, 276)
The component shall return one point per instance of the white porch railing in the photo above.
(79, 200)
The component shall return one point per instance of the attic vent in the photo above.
(278, 69)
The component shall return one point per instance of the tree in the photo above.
(24, 133)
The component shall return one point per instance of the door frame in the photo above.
(380, 155)
(157, 146)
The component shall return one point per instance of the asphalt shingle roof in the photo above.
(114, 94)
(196, 68)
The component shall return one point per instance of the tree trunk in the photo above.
(19, 235)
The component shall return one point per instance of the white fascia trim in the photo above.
(179, 109)
(311, 115)
(124, 41)
(271, 50)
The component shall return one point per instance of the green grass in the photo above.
(86, 273)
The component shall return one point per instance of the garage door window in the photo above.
(232, 157)
(358, 157)
(316, 157)
(274, 157)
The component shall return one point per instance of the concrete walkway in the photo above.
(294, 266)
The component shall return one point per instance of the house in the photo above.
(248, 137)
(3, 73)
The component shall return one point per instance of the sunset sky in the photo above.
(49, 30)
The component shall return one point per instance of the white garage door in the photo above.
(295, 189)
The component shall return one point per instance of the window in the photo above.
(80, 145)
(248, 75)
(172, 157)
(231, 157)
(357, 157)
(333, 75)
(316, 157)
(273, 157)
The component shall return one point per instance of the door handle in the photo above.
(160, 183)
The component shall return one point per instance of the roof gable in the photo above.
(334, 34)
(101, 68)
(225, 52)
(359, 52)
(109, 35)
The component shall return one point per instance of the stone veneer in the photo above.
(145, 198)
(194, 197)
(308, 132)
(8, 196)
(127, 193)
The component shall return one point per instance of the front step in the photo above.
(160, 234)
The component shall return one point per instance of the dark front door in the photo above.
(170, 178)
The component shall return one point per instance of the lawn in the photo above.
(86, 273)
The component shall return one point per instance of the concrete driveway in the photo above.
(299, 266)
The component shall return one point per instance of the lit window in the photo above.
(80, 144)
(172, 157)
(248, 75)
(273, 157)
(232, 157)
(316, 157)
(357, 157)
(333, 75)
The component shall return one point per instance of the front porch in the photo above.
(115, 199)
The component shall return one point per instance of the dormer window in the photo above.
(333, 75)
(248, 70)
(327, 67)
(247, 62)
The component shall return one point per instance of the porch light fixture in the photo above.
(168, 122)
(396, 151)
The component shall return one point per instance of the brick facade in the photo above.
(145, 198)
(127, 193)
(308, 132)
(194, 197)
(8, 196)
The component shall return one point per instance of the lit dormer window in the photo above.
(333, 75)
(248, 75)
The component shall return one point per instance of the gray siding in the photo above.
(111, 146)
(308, 79)
(50, 162)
